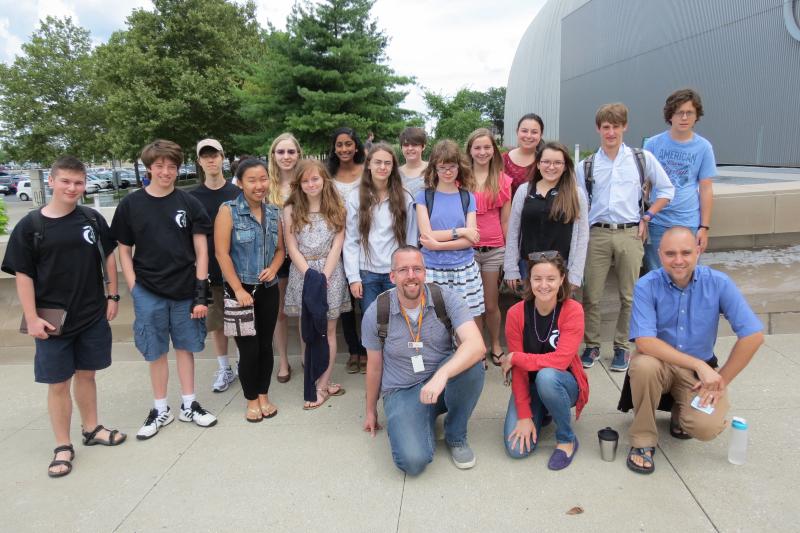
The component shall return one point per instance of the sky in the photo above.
(474, 40)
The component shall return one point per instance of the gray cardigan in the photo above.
(577, 247)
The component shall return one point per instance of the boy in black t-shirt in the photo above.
(168, 280)
(54, 255)
(212, 193)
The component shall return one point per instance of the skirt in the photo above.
(465, 280)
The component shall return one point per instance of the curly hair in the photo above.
(274, 172)
(677, 99)
(330, 207)
(492, 183)
(447, 151)
(368, 199)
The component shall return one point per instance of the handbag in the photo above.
(238, 320)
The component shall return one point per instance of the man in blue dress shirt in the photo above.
(675, 318)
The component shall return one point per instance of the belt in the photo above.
(484, 249)
(626, 225)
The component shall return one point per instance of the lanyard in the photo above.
(419, 320)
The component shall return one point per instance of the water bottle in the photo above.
(737, 452)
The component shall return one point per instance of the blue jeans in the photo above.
(373, 283)
(655, 232)
(554, 392)
(410, 423)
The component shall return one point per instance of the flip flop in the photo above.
(677, 431)
(90, 437)
(254, 411)
(339, 390)
(266, 413)
(285, 378)
(642, 452)
(316, 405)
(496, 358)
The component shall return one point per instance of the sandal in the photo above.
(642, 452)
(339, 390)
(251, 411)
(496, 358)
(675, 428)
(90, 437)
(362, 364)
(61, 462)
(310, 406)
(353, 365)
(285, 378)
(266, 412)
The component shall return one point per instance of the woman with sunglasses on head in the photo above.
(493, 207)
(284, 153)
(248, 243)
(380, 219)
(544, 333)
(549, 213)
(346, 165)
(518, 162)
(448, 225)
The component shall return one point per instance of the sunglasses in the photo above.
(547, 255)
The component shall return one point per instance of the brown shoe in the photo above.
(285, 378)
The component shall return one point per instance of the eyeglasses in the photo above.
(381, 163)
(450, 169)
(290, 151)
(547, 255)
(684, 114)
(546, 163)
(415, 270)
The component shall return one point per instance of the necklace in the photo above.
(552, 321)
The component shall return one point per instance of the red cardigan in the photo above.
(565, 357)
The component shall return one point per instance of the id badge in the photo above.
(417, 364)
(415, 345)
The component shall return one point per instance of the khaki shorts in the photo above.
(214, 317)
(491, 260)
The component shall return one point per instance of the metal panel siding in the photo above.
(736, 53)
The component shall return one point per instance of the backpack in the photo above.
(644, 202)
(438, 304)
(91, 217)
(429, 196)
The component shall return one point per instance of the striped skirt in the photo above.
(465, 280)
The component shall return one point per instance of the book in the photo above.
(56, 317)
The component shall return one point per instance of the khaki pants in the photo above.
(625, 249)
(650, 378)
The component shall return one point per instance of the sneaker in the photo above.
(223, 379)
(590, 355)
(622, 359)
(198, 415)
(463, 456)
(154, 422)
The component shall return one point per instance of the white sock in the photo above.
(223, 362)
(160, 405)
(187, 400)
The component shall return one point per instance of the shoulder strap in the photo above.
(91, 217)
(438, 304)
(644, 201)
(588, 178)
(429, 201)
(383, 316)
(464, 202)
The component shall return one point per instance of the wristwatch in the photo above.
(455, 234)
(113, 297)
(703, 227)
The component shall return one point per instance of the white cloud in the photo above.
(10, 44)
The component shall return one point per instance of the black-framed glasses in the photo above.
(547, 255)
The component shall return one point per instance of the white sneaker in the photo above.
(154, 422)
(197, 414)
(223, 379)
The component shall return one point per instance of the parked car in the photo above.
(4, 190)
(8, 184)
(24, 192)
(101, 182)
(126, 177)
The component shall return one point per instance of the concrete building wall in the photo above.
(739, 54)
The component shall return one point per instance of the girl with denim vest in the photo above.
(248, 238)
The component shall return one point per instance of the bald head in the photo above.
(679, 233)
(679, 253)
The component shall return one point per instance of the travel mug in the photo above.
(608, 443)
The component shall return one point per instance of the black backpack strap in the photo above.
(383, 316)
(91, 217)
(588, 177)
(464, 202)
(429, 201)
(438, 305)
(644, 202)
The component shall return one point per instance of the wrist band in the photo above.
(202, 292)
(703, 227)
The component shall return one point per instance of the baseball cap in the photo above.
(209, 143)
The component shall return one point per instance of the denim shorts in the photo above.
(57, 358)
(158, 319)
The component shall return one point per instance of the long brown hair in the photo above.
(564, 291)
(492, 183)
(566, 207)
(330, 207)
(274, 171)
(447, 151)
(368, 198)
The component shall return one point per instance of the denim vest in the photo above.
(252, 245)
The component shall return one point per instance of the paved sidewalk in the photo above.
(317, 471)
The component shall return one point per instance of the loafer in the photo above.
(560, 460)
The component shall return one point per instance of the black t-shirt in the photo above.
(66, 271)
(540, 327)
(538, 232)
(161, 230)
(211, 200)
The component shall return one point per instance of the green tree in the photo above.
(494, 108)
(465, 112)
(174, 71)
(47, 103)
(328, 69)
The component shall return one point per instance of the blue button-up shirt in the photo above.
(688, 319)
(617, 187)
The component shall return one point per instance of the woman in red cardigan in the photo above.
(544, 333)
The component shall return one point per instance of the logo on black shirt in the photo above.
(88, 235)
(180, 218)
(553, 340)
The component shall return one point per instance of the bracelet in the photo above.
(202, 293)
(703, 227)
